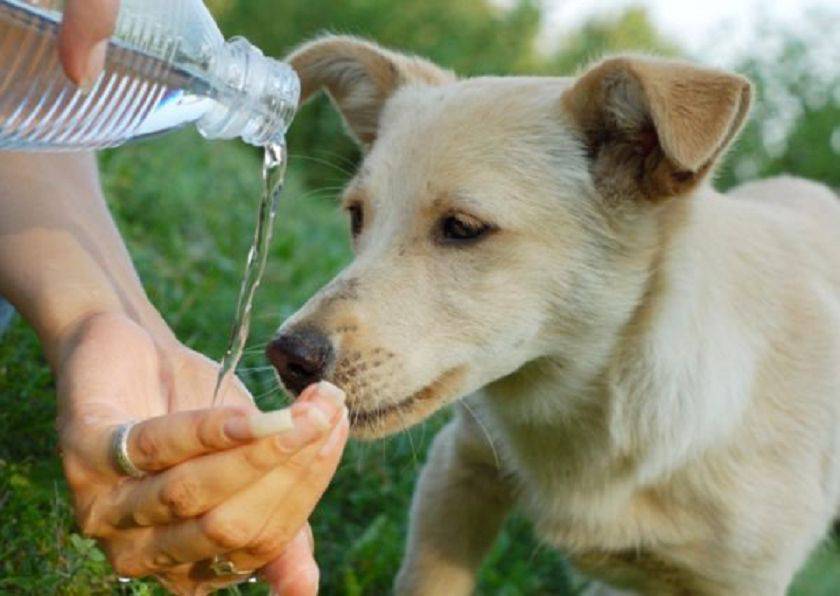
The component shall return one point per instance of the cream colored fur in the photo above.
(651, 368)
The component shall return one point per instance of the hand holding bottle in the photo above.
(167, 65)
(83, 40)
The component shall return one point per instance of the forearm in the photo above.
(62, 259)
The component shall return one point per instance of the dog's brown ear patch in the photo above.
(359, 77)
(654, 128)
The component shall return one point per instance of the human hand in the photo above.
(83, 38)
(221, 481)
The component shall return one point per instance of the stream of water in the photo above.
(273, 175)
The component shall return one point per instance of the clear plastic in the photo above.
(167, 65)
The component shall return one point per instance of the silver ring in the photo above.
(119, 449)
(222, 566)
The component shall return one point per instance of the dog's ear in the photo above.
(359, 77)
(654, 128)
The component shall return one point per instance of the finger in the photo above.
(272, 541)
(296, 564)
(286, 494)
(196, 486)
(259, 521)
(83, 38)
(162, 442)
(310, 538)
(184, 579)
(309, 392)
(294, 572)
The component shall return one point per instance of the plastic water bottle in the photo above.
(167, 65)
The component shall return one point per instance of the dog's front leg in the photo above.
(459, 505)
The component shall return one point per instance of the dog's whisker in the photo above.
(265, 334)
(367, 450)
(347, 161)
(326, 188)
(256, 350)
(407, 429)
(274, 390)
(293, 156)
(360, 449)
(535, 552)
(423, 434)
(265, 315)
(258, 345)
(485, 432)
(267, 393)
(318, 191)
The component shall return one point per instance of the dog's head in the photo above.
(496, 221)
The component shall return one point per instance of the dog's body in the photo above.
(655, 366)
(701, 457)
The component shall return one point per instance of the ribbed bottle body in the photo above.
(167, 65)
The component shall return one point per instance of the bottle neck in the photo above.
(255, 97)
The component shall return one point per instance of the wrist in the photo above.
(60, 341)
(62, 260)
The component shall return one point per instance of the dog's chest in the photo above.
(571, 507)
(580, 496)
(575, 495)
(587, 511)
(586, 502)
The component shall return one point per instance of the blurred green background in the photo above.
(186, 208)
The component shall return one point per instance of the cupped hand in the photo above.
(226, 481)
(83, 38)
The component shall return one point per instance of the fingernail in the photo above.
(272, 423)
(95, 65)
(310, 425)
(329, 400)
(319, 416)
(332, 392)
(333, 439)
(257, 426)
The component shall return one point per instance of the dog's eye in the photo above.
(357, 219)
(462, 228)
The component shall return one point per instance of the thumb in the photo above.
(83, 38)
(294, 572)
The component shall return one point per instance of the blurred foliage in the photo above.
(630, 31)
(186, 208)
(795, 122)
(470, 36)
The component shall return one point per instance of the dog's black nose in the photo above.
(301, 357)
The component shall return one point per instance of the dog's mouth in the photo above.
(390, 418)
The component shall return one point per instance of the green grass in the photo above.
(186, 208)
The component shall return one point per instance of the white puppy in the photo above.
(657, 365)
